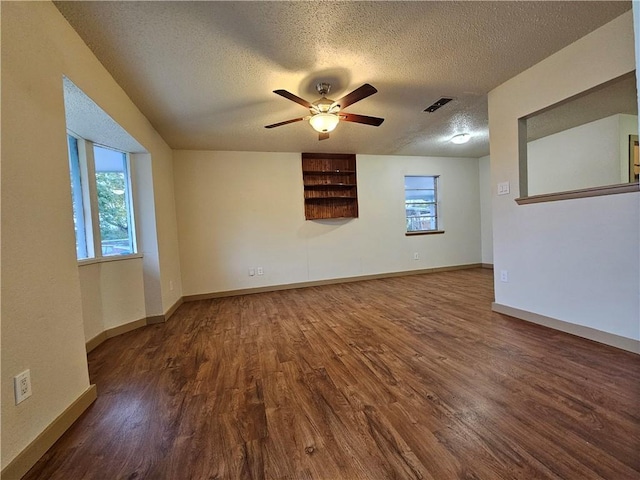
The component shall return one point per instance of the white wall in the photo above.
(167, 228)
(112, 294)
(238, 210)
(42, 310)
(145, 214)
(581, 157)
(41, 307)
(486, 226)
(571, 260)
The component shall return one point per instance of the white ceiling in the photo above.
(203, 72)
(87, 120)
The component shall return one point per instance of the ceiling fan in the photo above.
(326, 113)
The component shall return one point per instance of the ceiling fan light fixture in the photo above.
(325, 113)
(461, 138)
(324, 122)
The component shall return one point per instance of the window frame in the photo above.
(128, 198)
(87, 173)
(84, 248)
(436, 204)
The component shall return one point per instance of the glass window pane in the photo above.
(421, 207)
(420, 196)
(77, 198)
(413, 183)
(113, 201)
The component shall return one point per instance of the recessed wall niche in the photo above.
(330, 185)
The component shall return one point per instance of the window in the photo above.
(77, 198)
(114, 205)
(101, 193)
(421, 203)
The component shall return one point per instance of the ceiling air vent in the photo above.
(440, 103)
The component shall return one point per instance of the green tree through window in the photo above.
(114, 208)
(114, 221)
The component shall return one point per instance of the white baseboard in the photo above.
(114, 332)
(599, 336)
(127, 327)
(330, 281)
(28, 457)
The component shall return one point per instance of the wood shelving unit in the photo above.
(330, 185)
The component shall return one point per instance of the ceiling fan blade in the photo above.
(293, 98)
(323, 136)
(286, 122)
(352, 117)
(358, 94)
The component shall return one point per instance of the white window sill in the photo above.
(424, 232)
(110, 258)
(583, 193)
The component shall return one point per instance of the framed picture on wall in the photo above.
(634, 159)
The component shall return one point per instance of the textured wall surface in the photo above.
(42, 321)
(572, 260)
(41, 306)
(238, 210)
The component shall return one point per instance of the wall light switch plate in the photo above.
(503, 188)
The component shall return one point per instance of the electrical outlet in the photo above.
(503, 188)
(260, 271)
(252, 272)
(504, 276)
(22, 386)
(171, 285)
(416, 256)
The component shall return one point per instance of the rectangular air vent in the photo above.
(443, 101)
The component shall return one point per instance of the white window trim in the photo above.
(133, 227)
(437, 187)
(91, 214)
(111, 258)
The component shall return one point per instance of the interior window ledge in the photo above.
(583, 193)
(424, 232)
(113, 258)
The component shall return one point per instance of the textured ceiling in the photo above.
(204, 72)
(87, 120)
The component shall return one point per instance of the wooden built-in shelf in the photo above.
(311, 199)
(327, 172)
(330, 185)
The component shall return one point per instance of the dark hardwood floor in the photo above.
(401, 378)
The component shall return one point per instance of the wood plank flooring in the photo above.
(402, 378)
